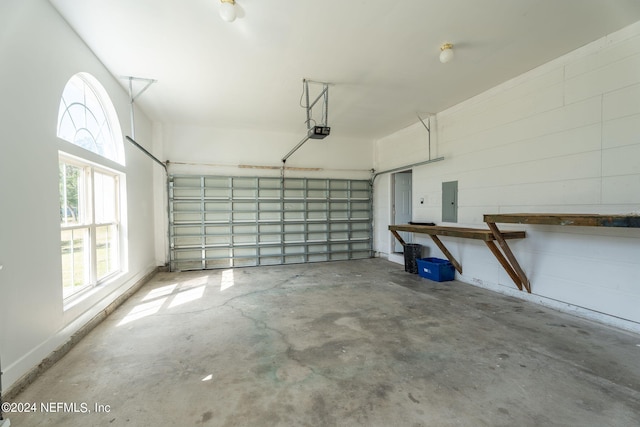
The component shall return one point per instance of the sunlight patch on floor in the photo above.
(143, 310)
(226, 281)
(189, 295)
(172, 296)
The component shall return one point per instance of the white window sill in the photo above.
(87, 294)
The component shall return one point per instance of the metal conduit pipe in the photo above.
(144, 150)
(428, 128)
(167, 185)
(401, 168)
(376, 174)
(294, 149)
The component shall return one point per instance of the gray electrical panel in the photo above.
(450, 201)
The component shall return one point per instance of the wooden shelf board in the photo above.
(462, 232)
(582, 220)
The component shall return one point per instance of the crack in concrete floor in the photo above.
(344, 343)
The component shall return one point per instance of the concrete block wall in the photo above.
(564, 137)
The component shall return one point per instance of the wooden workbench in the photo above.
(580, 220)
(486, 235)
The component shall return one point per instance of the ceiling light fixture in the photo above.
(228, 10)
(446, 53)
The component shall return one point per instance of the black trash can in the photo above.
(412, 251)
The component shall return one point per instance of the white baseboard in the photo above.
(561, 306)
(393, 257)
(23, 371)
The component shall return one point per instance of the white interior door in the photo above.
(402, 205)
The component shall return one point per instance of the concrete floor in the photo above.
(345, 343)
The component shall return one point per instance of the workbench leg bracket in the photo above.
(504, 263)
(509, 255)
(446, 253)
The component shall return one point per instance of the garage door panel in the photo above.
(222, 222)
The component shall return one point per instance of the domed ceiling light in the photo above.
(446, 53)
(228, 10)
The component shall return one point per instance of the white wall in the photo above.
(39, 54)
(212, 150)
(219, 151)
(564, 137)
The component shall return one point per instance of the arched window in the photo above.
(90, 192)
(86, 118)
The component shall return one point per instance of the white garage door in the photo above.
(222, 222)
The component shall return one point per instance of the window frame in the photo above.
(90, 138)
(87, 221)
(111, 125)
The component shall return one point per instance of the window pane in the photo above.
(93, 104)
(85, 140)
(105, 198)
(83, 119)
(77, 115)
(105, 136)
(106, 250)
(71, 186)
(66, 127)
(93, 128)
(75, 260)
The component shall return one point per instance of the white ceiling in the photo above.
(381, 55)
